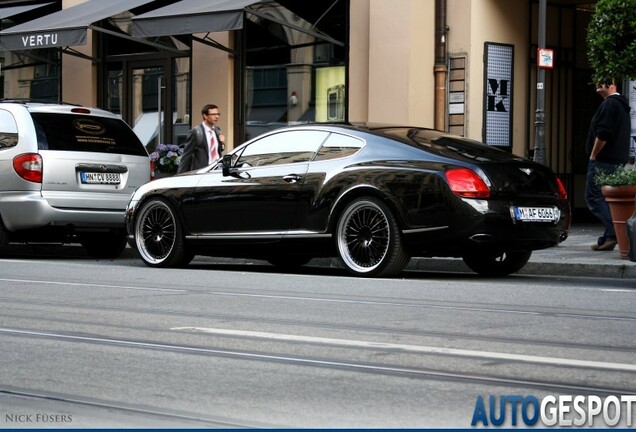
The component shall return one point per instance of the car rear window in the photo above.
(71, 132)
(448, 145)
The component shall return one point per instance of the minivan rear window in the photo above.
(71, 132)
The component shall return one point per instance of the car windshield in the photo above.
(86, 133)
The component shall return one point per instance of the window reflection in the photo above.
(295, 64)
(31, 81)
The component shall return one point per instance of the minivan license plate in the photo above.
(537, 214)
(100, 178)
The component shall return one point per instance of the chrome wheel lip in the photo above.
(363, 237)
(155, 232)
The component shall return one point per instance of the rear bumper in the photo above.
(29, 210)
(490, 229)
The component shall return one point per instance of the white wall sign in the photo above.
(456, 108)
(545, 58)
(456, 97)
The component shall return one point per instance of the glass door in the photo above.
(153, 97)
(148, 89)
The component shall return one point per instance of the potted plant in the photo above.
(619, 190)
(166, 158)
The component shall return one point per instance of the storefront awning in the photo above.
(66, 27)
(8, 12)
(191, 16)
(207, 16)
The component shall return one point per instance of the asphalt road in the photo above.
(88, 343)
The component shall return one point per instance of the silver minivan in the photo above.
(66, 175)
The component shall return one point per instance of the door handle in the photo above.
(292, 178)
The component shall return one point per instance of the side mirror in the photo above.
(227, 164)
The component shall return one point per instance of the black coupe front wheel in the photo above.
(489, 263)
(369, 240)
(159, 236)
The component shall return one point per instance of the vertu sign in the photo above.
(41, 40)
(44, 39)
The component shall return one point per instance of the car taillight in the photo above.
(152, 170)
(466, 183)
(29, 166)
(563, 194)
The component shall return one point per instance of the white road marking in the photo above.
(297, 360)
(416, 349)
(87, 284)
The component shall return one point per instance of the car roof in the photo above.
(381, 129)
(363, 126)
(44, 106)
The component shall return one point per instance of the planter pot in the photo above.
(621, 203)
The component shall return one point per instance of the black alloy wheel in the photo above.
(491, 263)
(159, 236)
(369, 240)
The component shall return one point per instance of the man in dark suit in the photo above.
(204, 143)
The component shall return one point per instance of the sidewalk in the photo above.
(573, 257)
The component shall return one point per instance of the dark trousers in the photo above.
(595, 200)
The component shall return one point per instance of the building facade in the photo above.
(465, 66)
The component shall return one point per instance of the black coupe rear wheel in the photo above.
(487, 263)
(368, 239)
(159, 236)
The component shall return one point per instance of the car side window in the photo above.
(8, 130)
(339, 146)
(282, 148)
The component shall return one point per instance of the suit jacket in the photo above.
(195, 153)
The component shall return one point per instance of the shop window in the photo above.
(295, 73)
(39, 80)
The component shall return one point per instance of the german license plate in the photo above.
(100, 178)
(537, 214)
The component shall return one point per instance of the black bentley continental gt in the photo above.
(373, 195)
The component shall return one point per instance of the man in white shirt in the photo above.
(204, 143)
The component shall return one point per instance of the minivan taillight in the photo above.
(29, 166)
(466, 183)
(152, 170)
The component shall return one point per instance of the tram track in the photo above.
(147, 414)
(369, 367)
(314, 325)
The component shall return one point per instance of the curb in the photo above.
(456, 265)
(618, 271)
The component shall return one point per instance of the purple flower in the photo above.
(167, 157)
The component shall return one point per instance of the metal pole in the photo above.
(441, 69)
(539, 118)
(160, 130)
